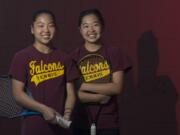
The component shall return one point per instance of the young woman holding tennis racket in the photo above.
(48, 74)
(102, 70)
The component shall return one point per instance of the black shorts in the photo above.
(98, 132)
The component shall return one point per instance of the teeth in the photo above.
(46, 36)
(92, 35)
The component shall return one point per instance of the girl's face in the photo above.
(43, 29)
(91, 28)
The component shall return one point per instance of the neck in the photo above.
(43, 48)
(92, 47)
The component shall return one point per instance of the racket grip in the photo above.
(29, 113)
(63, 122)
(93, 129)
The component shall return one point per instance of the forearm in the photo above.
(27, 102)
(108, 89)
(86, 97)
(70, 100)
(69, 106)
(22, 98)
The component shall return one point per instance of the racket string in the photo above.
(8, 106)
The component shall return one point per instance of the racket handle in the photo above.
(29, 113)
(93, 129)
(63, 122)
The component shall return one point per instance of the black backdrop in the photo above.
(147, 31)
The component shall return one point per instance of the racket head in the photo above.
(9, 108)
(94, 69)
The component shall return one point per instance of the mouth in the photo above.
(92, 35)
(46, 36)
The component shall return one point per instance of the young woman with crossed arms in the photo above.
(102, 69)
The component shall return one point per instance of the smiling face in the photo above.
(91, 29)
(43, 29)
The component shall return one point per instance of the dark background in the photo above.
(147, 31)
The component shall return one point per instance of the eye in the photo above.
(52, 25)
(40, 25)
(84, 26)
(96, 24)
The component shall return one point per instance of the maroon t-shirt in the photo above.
(45, 75)
(98, 67)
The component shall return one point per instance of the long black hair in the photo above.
(37, 13)
(93, 11)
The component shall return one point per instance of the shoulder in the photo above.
(118, 58)
(76, 53)
(114, 51)
(77, 50)
(61, 53)
(23, 53)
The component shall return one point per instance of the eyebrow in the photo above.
(83, 23)
(39, 22)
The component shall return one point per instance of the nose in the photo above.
(91, 28)
(46, 29)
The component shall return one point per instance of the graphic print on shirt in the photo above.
(94, 68)
(41, 71)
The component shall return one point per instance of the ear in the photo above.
(102, 29)
(80, 30)
(32, 30)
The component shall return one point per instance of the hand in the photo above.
(49, 114)
(66, 116)
(67, 113)
(104, 99)
(82, 87)
(63, 122)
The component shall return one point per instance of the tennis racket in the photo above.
(94, 69)
(9, 108)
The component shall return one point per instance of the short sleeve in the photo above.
(18, 67)
(118, 60)
(72, 71)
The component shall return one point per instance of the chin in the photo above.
(46, 41)
(93, 41)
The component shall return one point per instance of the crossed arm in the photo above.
(101, 92)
